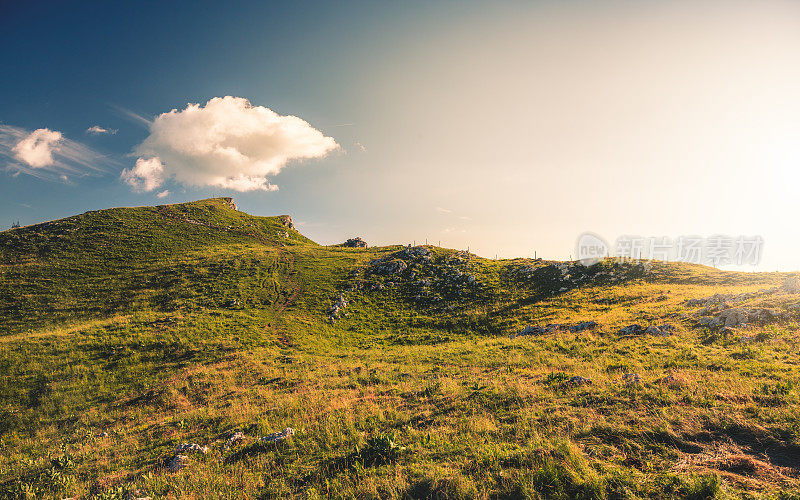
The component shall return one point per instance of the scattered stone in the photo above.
(338, 306)
(582, 326)
(631, 379)
(632, 330)
(413, 253)
(652, 330)
(187, 447)
(577, 381)
(530, 330)
(740, 317)
(178, 462)
(388, 267)
(278, 436)
(234, 439)
(708, 322)
(356, 242)
(667, 328)
(734, 317)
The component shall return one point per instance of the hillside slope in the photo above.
(403, 371)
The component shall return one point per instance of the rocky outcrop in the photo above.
(741, 316)
(338, 307)
(387, 267)
(356, 242)
(287, 222)
(413, 253)
(229, 201)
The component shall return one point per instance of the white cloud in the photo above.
(443, 210)
(47, 154)
(163, 194)
(36, 149)
(97, 130)
(146, 175)
(227, 143)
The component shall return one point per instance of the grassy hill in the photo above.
(404, 372)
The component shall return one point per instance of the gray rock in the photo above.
(413, 253)
(708, 322)
(631, 379)
(234, 439)
(632, 330)
(582, 326)
(287, 222)
(577, 380)
(339, 305)
(178, 462)
(356, 242)
(530, 330)
(191, 447)
(652, 330)
(229, 201)
(388, 267)
(278, 436)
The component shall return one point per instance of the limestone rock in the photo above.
(279, 436)
(287, 221)
(191, 447)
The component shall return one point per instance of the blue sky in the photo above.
(506, 127)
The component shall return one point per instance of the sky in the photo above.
(509, 128)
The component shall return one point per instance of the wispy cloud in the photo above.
(443, 210)
(47, 154)
(163, 194)
(132, 115)
(98, 130)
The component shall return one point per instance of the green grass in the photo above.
(126, 332)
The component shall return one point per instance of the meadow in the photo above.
(127, 332)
